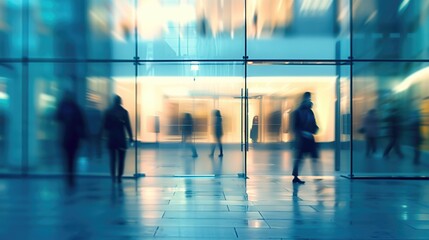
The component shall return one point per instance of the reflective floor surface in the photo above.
(214, 208)
(173, 159)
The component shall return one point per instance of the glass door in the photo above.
(190, 119)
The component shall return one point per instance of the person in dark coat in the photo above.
(275, 125)
(72, 125)
(254, 131)
(117, 125)
(304, 127)
(217, 132)
(187, 131)
(415, 134)
(394, 131)
(370, 129)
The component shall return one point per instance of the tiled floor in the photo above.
(214, 208)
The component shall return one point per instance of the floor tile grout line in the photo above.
(156, 231)
(236, 233)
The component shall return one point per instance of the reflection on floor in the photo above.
(261, 161)
(276, 160)
(214, 208)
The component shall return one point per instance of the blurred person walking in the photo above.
(73, 128)
(304, 127)
(394, 130)
(415, 134)
(254, 131)
(117, 125)
(370, 129)
(187, 131)
(217, 132)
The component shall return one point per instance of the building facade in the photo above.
(246, 58)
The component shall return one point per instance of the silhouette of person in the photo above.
(157, 128)
(72, 127)
(304, 127)
(275, 121)
(218, 133)
(415, 134)
(117, 125)
(254, 131)
(393, 126)
(187, 131)
(370, 128)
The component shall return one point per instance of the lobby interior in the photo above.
(247, 58)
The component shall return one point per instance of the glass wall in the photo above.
(390, 31)
(12, 115)
(197, 29)
(249, 59)
(93, 91)
(275, 93)
(390, 118)
(390, 48)
(11, 25)
(167, 92)
(304, 29)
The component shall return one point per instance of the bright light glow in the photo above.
(4, 95)
(403, 6)
(195, 66)
(311, 7)
(412, 79)
(155, 92)
(153, 18)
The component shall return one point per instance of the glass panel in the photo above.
(343, 120)
(11, 119)
(200, 29)
(79, 29)
(111, 29)
(54, 29)
(390, 126)
(93, 91)
(275, 93)
(10, 28)
(306, 29)
(47, 83)
(122, 83)
(169, 91)
(390, 29)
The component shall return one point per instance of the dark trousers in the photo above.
(394, 143)
(298, 162)
(187, 140)
(371, 146)
(417, 139)
(219, 144)
(117, 157)
(304, 147)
